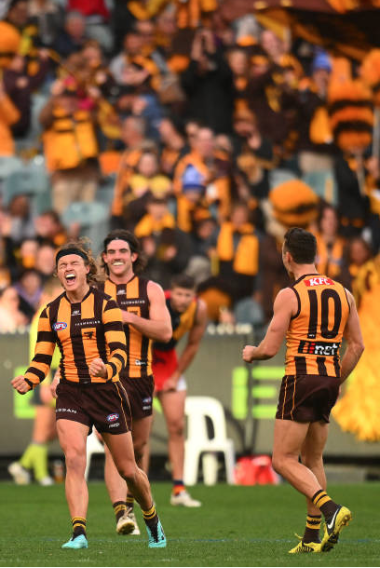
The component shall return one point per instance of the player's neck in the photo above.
(76, 296)
(122, 278)
(299, 270)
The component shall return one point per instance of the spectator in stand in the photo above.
(20, 86)
(315, 143)
(212, 167)
(29, 288)
(330, 258)
(167, 248)
(358, 253)
(73, 36)
(48, 17)
(254, 154)
(133, 136)
(147, 181)
(97, 16)
(48, 227)
(45, 260)
(70, 143)
(9, 115)
(173, 145)
(239, 64)
(11, 318)
(208, 84)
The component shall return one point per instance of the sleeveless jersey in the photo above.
(315, 333)
(133, 297)
(181, 323)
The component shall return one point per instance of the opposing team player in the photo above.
(315, 313)
(145, 318)
(188, 315)
(87, 326)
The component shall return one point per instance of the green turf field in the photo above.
(237, 526)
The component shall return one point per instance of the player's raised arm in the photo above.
(285, 306)
(115, 339)
(353, 336)
(158, 326)
(40, 364)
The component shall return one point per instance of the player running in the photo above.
(87, 326)
(315, 313)
(145, 318)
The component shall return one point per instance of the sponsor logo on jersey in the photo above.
(322, 348)
(147, 400)
(319, 281)
(112, 417)
(140, 363)
(59, 325)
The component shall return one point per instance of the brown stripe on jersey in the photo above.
(337, 365)
(100, 337)
(145, 341)
(77, 346)
(300, 365)
(53, 313)
(321, 366)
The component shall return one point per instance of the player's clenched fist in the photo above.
(98, 368)
(20, 385)
(248, 353)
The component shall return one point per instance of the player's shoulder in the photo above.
(102, 295)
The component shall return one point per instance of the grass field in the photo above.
(237, 526)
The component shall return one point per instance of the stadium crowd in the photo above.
(207, 136)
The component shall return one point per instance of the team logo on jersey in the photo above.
(112, 417)
(319, 281)
(59, 325)
(322, 348)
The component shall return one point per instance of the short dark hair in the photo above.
(183, 281)
(134, 245)
(301, 244)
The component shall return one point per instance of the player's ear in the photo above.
(134, 256)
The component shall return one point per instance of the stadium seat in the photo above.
(8, 165)
(280, 175)
(323, 183)
(94, 446)
(198, 409)
(30, 179)
(93, 219)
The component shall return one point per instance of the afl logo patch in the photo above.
(59, 325)
(112, 417)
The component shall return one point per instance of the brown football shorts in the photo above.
(104, 406)
(140, 394)
(307, 398)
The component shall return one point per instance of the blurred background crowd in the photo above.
(206, 134)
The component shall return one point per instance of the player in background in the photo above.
(87, 326)
(35, 456)
(188, 315)
(145, 318)
(315, 313)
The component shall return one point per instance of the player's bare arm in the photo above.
(55, 383)
(353, 336)
(285, 306)
(193, 340)
(158, 326)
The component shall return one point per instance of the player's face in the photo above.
(72, 272)
(119, 258)
(181, 298)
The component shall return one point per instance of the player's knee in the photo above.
(127, 471)
(278, 463)
(139, 449)
(176, 428)
(75, 459)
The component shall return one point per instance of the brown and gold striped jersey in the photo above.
(83, 332)
(133, 297)
(315, 333)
